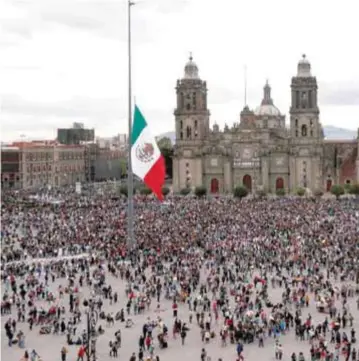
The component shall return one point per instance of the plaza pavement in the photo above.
(49, 346)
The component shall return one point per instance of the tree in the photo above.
(166, 148)
(280, 192)
(123, 167)
(164, 142)
(300, 192)
(122, 190)
(337, 190)
(354, 189)
(185, 191)
(200, 191)
(240, 192)
(347, 187)
(165, 191)
(145, 191)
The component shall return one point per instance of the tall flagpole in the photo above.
(130, 231)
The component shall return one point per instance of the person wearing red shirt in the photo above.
(81, 353)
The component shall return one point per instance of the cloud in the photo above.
(17, 28)
(221, 95)
(339, 93)
(107, 116)
(104, 18)
(94, 110)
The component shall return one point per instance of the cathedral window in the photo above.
(181, 135)
(188, 106)
(304, 100)
(194, 101)
(181, 124)
(296, 133)
(189, 132)
(297, 99)
(195, 124)
(304, 130)
(310, 99)
(296, 123)
(182, 100)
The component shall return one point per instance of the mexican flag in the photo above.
(147, 160)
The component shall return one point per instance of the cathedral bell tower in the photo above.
(191, 113)
(305, 129)
(304, 111)
(192, 128)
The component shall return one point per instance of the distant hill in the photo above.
(330, 132)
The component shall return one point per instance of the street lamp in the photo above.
(92, 318)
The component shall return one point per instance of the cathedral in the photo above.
(259, 152)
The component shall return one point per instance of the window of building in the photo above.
(189, 132)
(204, 101)
(304, 130)
(182, 100)
(296, 123)
(310, 100)
(347, 181)
(181, 135)
(188, 107)
(195, 124)
(304, 100)
(297, 99)
(181, 124)
(296, 133)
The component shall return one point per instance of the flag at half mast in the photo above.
(147, 160)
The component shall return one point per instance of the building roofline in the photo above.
(343, 141)
(9, 147)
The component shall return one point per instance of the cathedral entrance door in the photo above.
(329, 185)
(214, 185)
(279, 183)
(247, 182)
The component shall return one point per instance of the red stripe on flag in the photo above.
(155, 178)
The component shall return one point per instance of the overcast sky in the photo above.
(66, 60)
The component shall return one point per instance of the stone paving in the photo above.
(49, 346)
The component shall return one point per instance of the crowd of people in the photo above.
(206, 278)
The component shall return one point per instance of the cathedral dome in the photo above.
(270, 110)
(267, 107)
(191, 69)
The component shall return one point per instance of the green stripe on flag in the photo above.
(139, 123)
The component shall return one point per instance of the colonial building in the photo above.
(10, 167)
(38, 164)
(259, 151)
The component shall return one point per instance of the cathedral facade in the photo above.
(259, 151)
